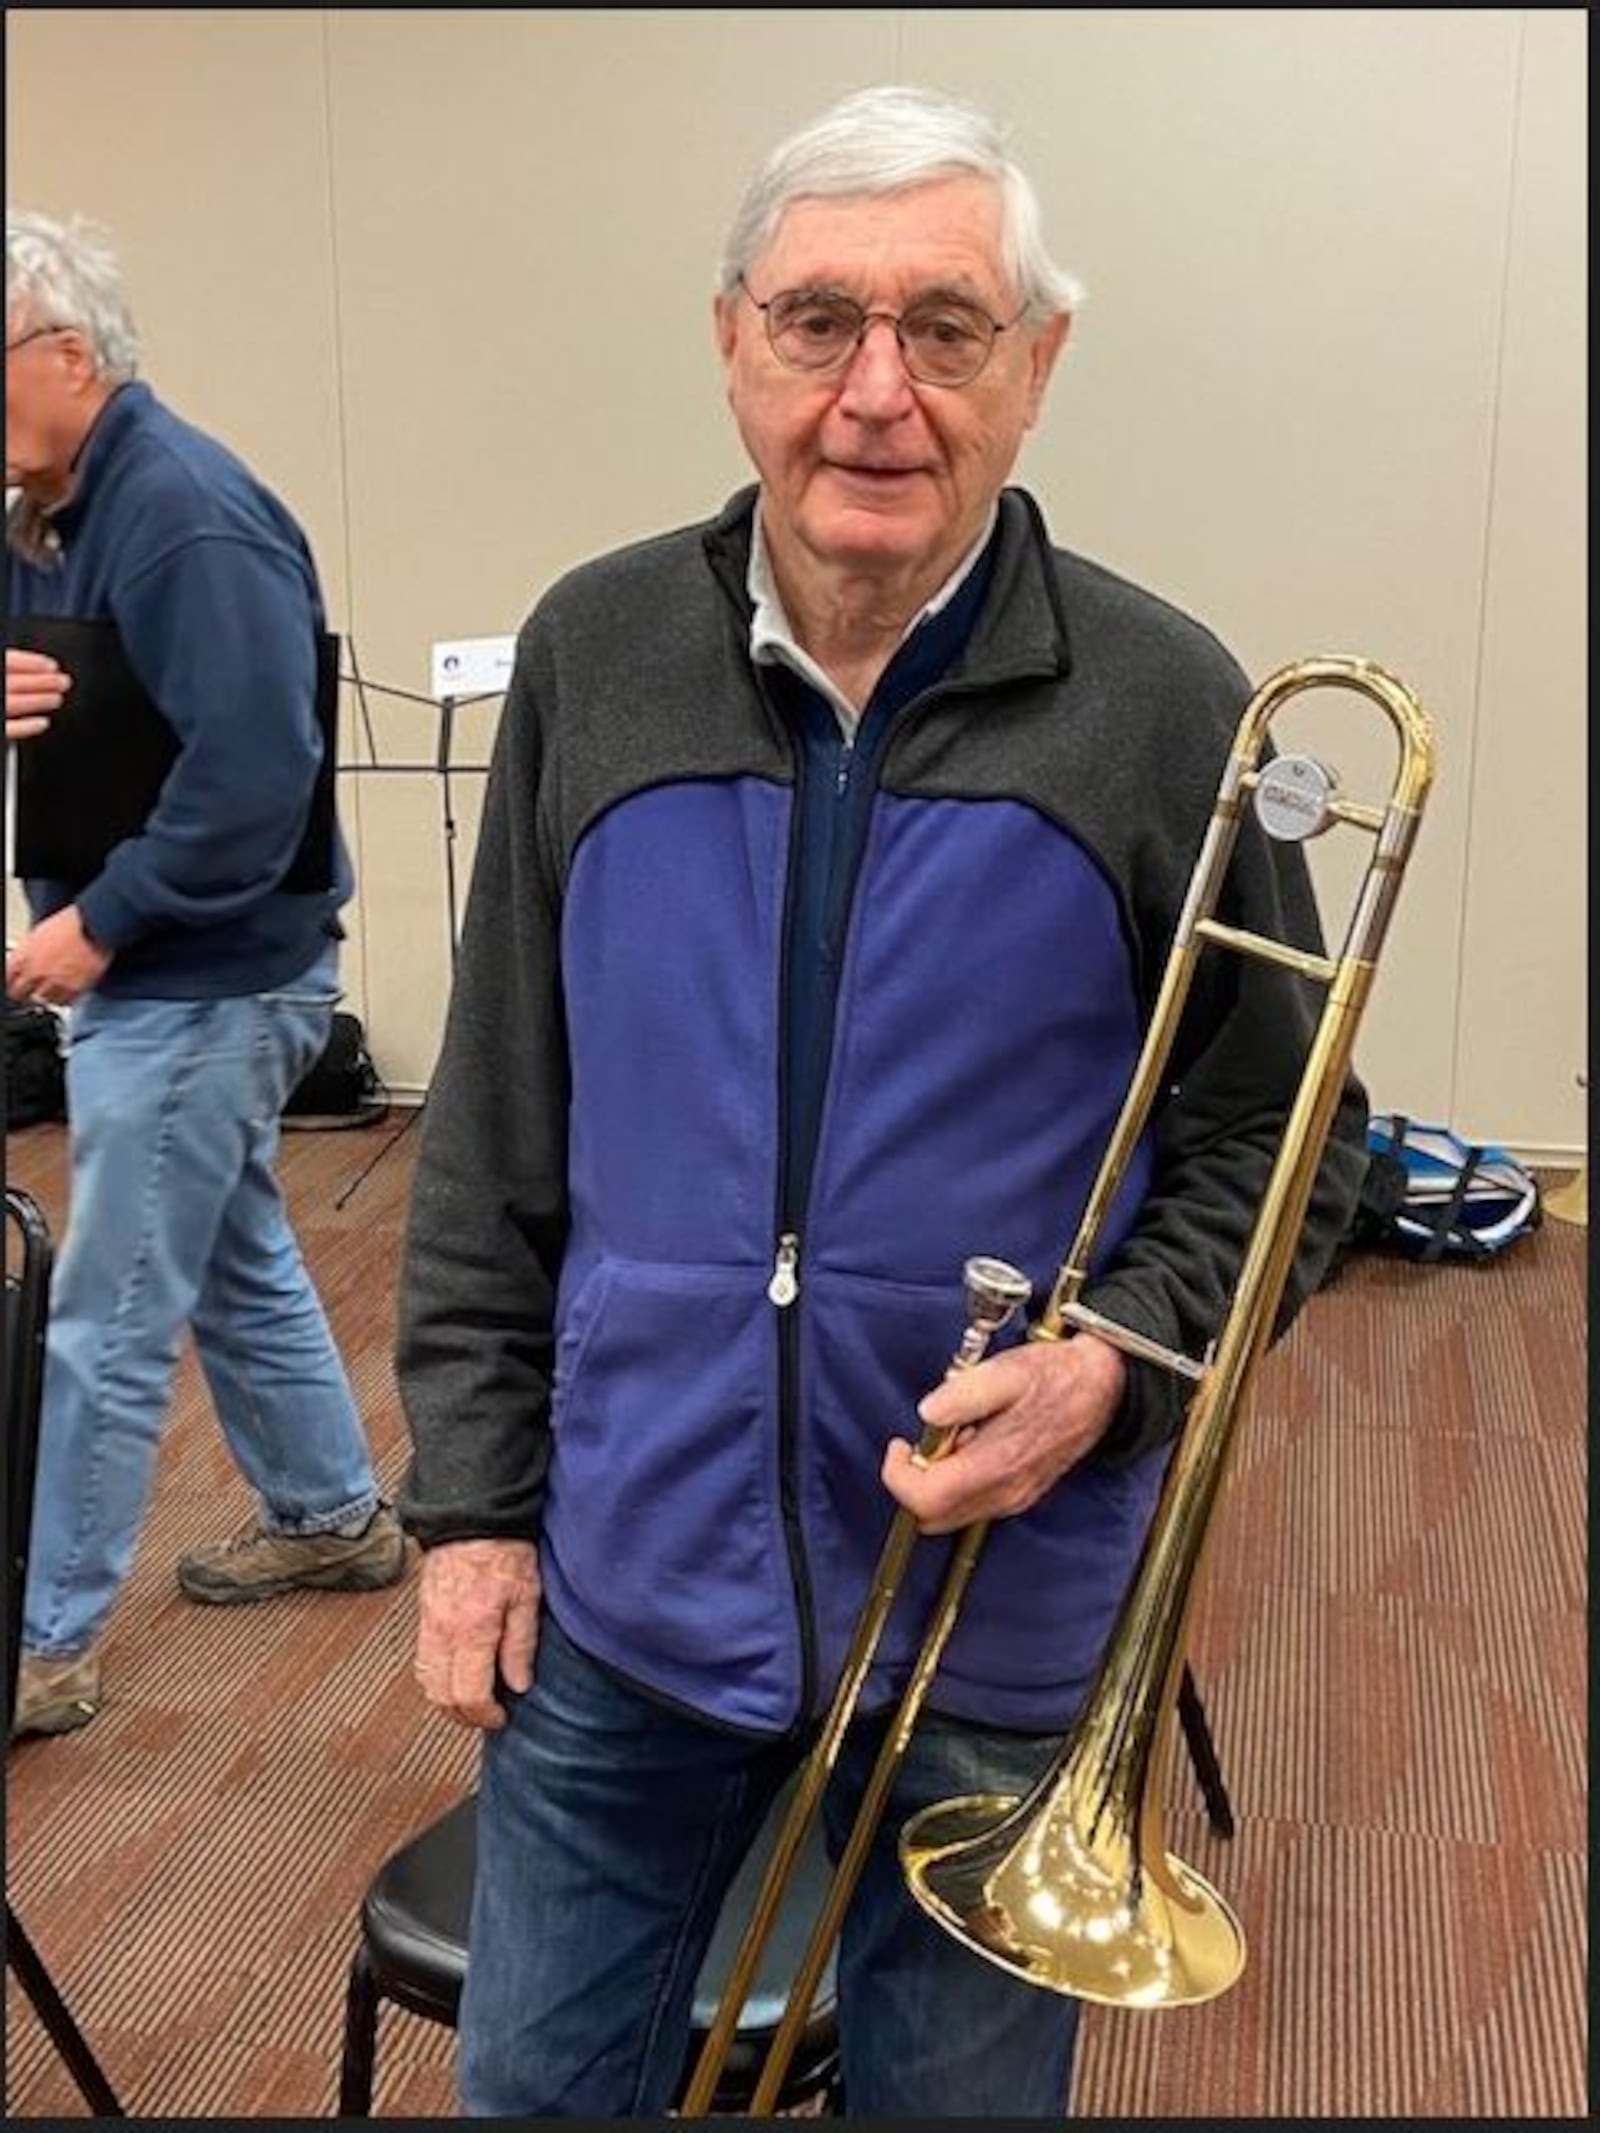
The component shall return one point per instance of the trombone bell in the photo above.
(1032, 1895)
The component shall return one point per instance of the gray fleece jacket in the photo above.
(619, 1334)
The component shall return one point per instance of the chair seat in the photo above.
(415, 1918)
(415, 1915)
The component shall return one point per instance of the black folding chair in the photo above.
(413, 1951)
(27, 1316)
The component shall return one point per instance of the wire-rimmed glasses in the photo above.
(944, 340)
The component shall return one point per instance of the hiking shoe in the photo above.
(56, 1692)
(260, 1565)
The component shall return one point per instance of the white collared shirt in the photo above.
(772, 641)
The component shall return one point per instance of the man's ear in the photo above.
(78, 359)
(724, 315)
(1043, 350)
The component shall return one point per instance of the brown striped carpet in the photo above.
(1390, 1641)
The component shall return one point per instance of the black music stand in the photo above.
(443, 767)
(27, 1315)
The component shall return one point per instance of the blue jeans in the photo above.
(609, 1829)
(176, 1219)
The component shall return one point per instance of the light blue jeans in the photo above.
(610, 1826)
(176, 1219)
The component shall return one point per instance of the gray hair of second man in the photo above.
(66, 274)
(887, 140)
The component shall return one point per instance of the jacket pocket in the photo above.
(1048, 1583)
(663, 1528)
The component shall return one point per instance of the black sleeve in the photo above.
(1236, 1067)
(488, 1219)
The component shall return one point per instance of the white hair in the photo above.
(66, 274)
(887, 140)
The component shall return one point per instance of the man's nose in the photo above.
(876, 381)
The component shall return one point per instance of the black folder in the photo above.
(92, 778)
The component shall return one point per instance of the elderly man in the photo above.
(198, 959)
(831, 858)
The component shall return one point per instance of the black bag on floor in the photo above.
(342, 1087)
(36, 1072)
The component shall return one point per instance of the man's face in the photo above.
(863, 469)
(51, 398)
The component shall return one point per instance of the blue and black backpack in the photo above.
(1431, 1194)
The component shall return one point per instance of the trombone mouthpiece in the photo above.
(996, 1292)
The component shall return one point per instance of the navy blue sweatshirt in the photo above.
(214, 593)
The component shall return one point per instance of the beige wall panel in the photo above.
(445, 277)
(199, 138)
(1280, 405)
(530, 205)
(1522, 1035)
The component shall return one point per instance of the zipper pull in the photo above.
(784, 1286)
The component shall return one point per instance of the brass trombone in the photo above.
(1071, 1887)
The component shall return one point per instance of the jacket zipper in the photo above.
(783, 1287)
(784, 1291)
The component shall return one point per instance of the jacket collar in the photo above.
(1022, 631)
(125, 408)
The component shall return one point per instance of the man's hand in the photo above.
(1041, 1407)
(55, 961)
(35, 687)
(479, 1603)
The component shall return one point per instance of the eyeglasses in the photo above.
(35, 333)
(943, 340)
